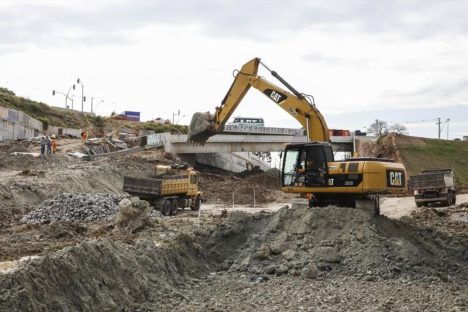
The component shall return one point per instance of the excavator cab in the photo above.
(306, 164)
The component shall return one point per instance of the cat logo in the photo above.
(276, 96)
(395, 178)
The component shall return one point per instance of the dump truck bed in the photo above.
(432, 180)
(142, 187)
(145, 187)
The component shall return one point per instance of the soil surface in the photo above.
(241, 256)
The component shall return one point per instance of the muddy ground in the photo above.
(227, 257)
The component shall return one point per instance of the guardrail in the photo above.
(262, 130)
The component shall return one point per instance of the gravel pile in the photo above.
(75, 207)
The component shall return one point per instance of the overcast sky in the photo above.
(400, 61)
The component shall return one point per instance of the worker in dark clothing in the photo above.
(43, 145)
(49, 145)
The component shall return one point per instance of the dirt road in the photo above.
(391, 207)
(397, 207)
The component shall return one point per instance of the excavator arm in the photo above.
(204, 125)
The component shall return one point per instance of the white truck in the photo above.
(434, 186)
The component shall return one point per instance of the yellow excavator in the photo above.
(308, 168)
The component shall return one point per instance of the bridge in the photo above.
(228, 143)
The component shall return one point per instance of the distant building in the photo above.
(128, 115)
(161, 121)
(133, 116)
(465, 138)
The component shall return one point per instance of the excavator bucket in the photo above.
(201, 128)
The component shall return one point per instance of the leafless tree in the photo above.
(378, 128)
(398, 128)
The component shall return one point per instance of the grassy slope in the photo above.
(44, 112)
(422, 154)
(73, 119)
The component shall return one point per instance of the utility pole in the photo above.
(438, 123)
(448, 119)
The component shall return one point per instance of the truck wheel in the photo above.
(174, 207)
(448, 201)
(419, 204)
(166, 208)
(197, 204)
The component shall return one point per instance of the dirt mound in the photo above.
(383, 147)
(335, 241)
(103, 276)
(28, 161)
(221, 188)
(17, 148)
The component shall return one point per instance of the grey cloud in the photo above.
(110, 22)
(438, 92)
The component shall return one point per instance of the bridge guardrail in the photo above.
(262, 130)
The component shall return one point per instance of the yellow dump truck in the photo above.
(168, 188)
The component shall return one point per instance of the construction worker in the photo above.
(49, 145)
(84, 136)
(43, 145)
(54, 144)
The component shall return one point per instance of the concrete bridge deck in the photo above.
(228, 143)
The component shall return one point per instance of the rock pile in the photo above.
(134, 214)
(75, 207)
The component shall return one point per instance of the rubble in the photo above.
(133, 214)
(75, 207)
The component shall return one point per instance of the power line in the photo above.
(413, 121)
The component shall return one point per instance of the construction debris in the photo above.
(133, 214)
(75, 207)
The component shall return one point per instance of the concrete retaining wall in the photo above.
(234, 162)
(63, 131)
(17, 125)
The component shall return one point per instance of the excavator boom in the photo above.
(204, 125)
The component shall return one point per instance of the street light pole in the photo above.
(54, 92)
(78, 81)
(67, 97)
